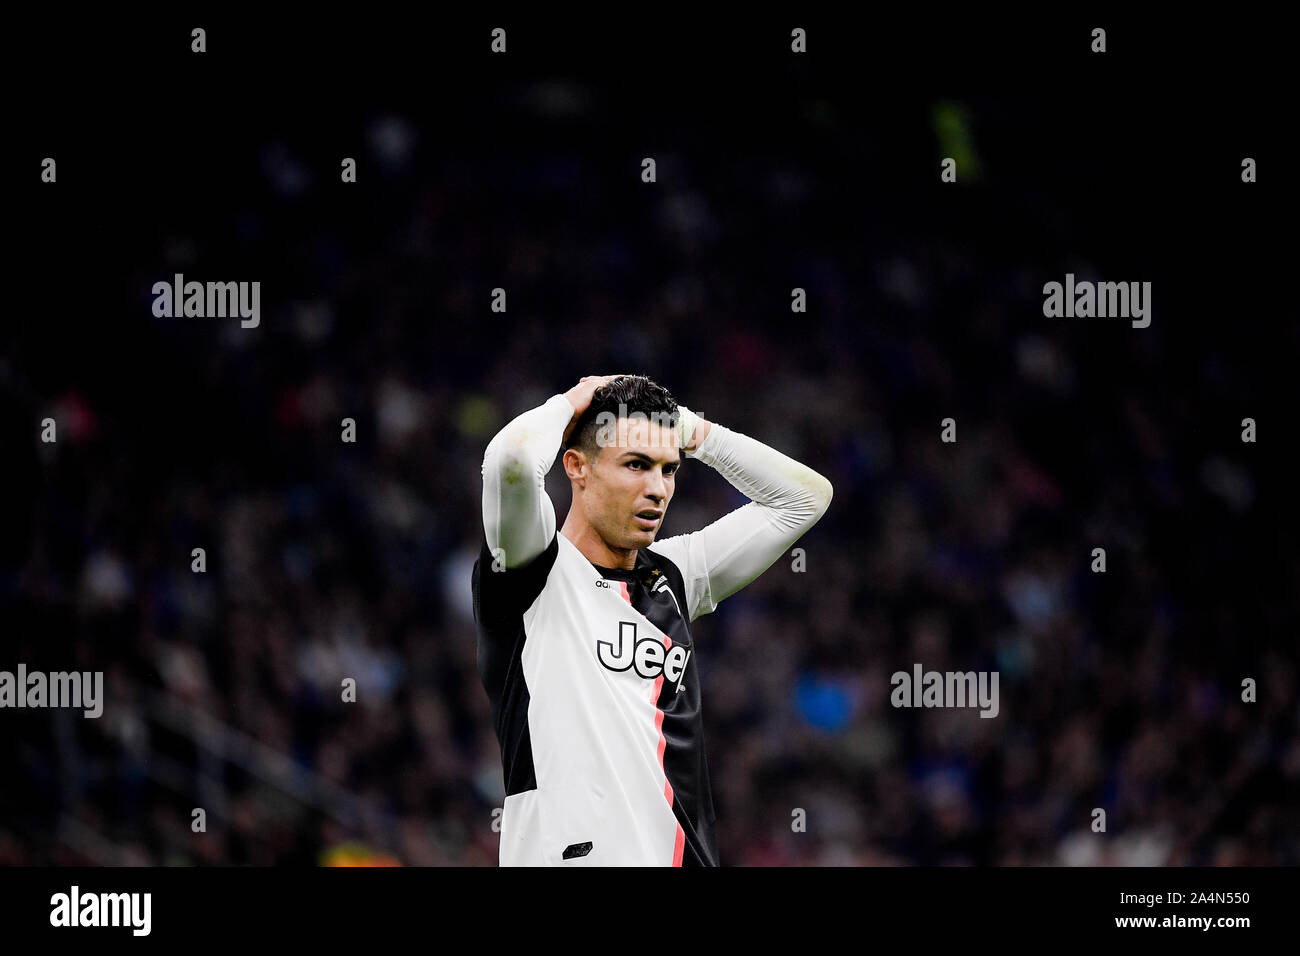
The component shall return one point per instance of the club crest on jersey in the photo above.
(646, 655)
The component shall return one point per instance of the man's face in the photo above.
(635, 474)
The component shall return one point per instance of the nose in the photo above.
(658, 488)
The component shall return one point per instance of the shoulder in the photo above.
(500, 591)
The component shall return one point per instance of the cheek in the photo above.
(618, 498)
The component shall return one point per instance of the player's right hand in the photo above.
(581, 394)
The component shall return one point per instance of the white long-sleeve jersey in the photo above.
(591, 671)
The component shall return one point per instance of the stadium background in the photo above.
(328, 560)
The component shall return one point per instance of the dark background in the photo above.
(1118, 690)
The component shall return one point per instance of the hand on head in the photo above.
(581, 394)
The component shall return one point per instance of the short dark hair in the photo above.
(622, 397)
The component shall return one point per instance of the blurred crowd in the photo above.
(326, 559)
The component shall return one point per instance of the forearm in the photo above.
(795, 494)
(786, 499)
(518, 516)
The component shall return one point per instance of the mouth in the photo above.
(649, 518)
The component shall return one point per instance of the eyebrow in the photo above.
(646, 458)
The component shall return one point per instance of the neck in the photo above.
(593, 547)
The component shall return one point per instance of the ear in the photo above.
(576, 465)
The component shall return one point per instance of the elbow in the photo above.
(822, 492)
(816, 498)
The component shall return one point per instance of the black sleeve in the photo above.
(502, 597)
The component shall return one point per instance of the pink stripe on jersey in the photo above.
(679, 844)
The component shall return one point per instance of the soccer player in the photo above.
(584, 638)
